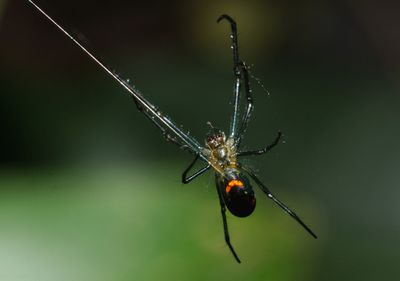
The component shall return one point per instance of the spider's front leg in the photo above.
(249, 104)
(237, 73)
(167, 136)
(240, 71)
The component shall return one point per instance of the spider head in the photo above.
(215, 138)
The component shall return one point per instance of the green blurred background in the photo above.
(91, 191)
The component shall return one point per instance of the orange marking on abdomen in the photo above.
(233, 183)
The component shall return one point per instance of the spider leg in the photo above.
(237, 74)
(168, 137)
(186, 179)
(225, 223)
(234, 40)
(168, 127)
(263, 150)
(249, 104)
(278, 202)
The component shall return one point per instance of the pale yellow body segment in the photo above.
(221, 153)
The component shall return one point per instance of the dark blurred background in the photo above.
(91, 191)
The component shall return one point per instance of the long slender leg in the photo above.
(249, 104)
(279, 203)
(186, 179)
(237, 74)
(166, 135)
(225, 223)
(234, 39)
(261, 151)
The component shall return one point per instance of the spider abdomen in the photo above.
(238, 195)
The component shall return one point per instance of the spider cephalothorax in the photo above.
(221, 150)
(215, 138)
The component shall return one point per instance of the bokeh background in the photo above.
(89, 190)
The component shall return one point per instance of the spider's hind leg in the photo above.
(277, 201)
(225, 224)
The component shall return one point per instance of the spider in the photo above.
(221, 152)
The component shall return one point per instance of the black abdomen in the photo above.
(238, 194)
